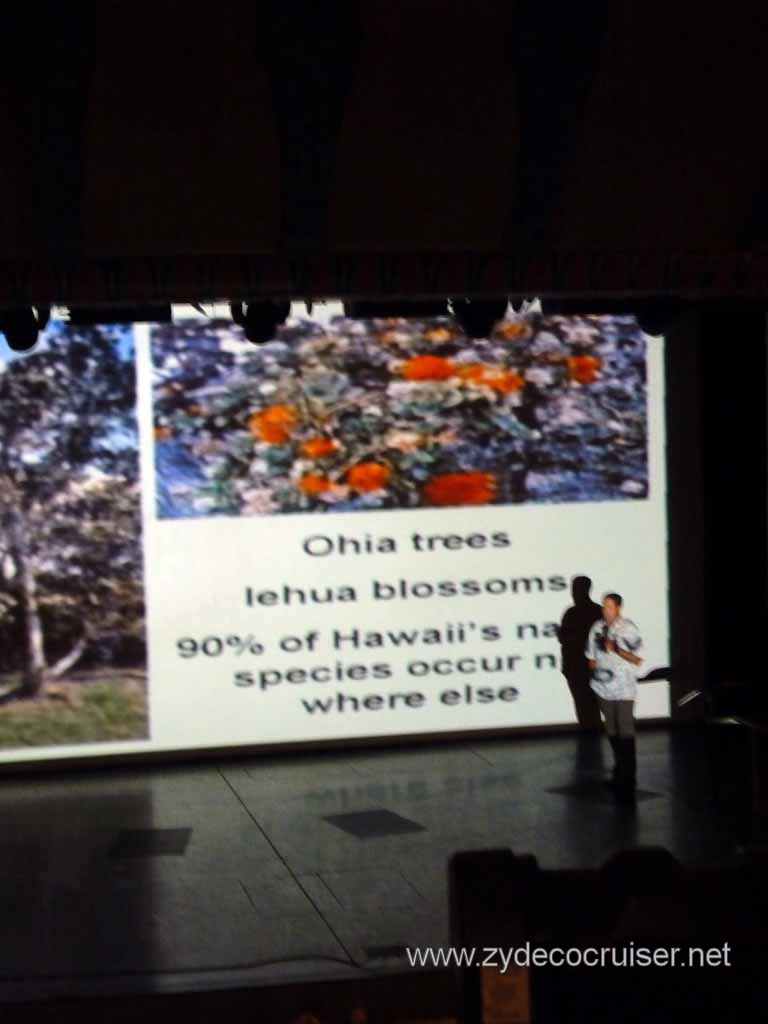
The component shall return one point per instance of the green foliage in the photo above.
(108, 711)
(90, 559)
(62, 409)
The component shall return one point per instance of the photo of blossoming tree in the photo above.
(72, 623)
(397, 414)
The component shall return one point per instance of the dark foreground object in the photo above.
(642, 899)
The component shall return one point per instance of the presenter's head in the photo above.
(612, 607)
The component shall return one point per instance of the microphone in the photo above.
(603, 636)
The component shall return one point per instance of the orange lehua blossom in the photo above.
(460, 489)
(583, 369)
(438, 335)
(273, 424)
(492, 376)
(388, 337)
(369, 476)
(511, 329)
(312, 483)
(317, 447)
(427, 368)
(506, 381)
(472, 371)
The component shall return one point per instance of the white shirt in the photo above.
(613, 678)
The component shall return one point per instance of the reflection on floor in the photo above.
(313, 865)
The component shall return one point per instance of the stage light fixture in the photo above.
(22, 325)
(261, 319)
(478, 316)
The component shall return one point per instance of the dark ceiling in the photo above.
(169, 150)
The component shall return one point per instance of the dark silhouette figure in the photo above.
(574, 628)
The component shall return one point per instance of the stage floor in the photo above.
(319, 865)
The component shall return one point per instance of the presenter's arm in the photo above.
(628, 656)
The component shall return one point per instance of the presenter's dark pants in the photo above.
(619, 716)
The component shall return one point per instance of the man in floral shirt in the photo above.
(613, 652)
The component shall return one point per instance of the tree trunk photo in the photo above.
(34, 673)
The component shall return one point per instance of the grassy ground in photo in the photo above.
(90, 707)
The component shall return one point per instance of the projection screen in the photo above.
(363, 528)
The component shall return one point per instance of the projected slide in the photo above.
(362, 528)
